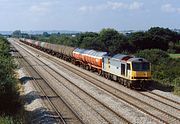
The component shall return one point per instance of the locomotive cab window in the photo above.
(128, 67)
(141, 66)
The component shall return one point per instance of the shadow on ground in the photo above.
(25, 79)
(36, 114)
(41, 116)
(154, 85)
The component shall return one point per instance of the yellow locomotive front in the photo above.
(140, 72)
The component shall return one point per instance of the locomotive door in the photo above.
(123, 69)
(128, 70)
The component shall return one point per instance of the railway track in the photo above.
(63, 115)
(143, 106)
(162, 99)
(158, 114)
(106, 108)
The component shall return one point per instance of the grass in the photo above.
(177, 91)
(9, 120)
(174, 55)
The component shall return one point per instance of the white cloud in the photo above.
(86, 8)
(113, 6)
(41, 8)
(93, 8)
(117, 5)
(135, 6)
(169, 8)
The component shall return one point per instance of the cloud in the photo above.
(90, 8)
(169, 8)
(113, 6)
(86, 8)
(121, 5)
(40, 8)
(135, 6)
(117, 5)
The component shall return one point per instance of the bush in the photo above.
(176, 81)
(164, 69)
(153, 55)
(8, 84)
(9, 120)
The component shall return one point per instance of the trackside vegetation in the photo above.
(165, 70)
(10, 103)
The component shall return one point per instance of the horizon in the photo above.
(56, 30)
(69, 31)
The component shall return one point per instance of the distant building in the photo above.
(73, 35)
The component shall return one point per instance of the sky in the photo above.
(88, 15)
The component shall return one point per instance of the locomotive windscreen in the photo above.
(141, 66)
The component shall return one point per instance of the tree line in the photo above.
(114, 42)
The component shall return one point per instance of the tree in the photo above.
(154, 38)
(139, 40)
(114, 42)
(16, 34)
(25, 35)
(80, 38)
(169, 35)
(91, 43)
(45, 34)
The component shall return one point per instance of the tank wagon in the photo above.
(128, 70)
(89, 59)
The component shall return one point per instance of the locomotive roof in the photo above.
(122, 57)
(137, 60)
(119, 56)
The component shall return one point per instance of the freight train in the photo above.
(128, 70)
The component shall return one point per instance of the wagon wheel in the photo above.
(87, 67)
(99, 71)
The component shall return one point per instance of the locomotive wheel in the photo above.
(128, 84)
(122, 81)
(106, 76)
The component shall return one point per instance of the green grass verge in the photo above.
(174, 55)
(177, 91)
(9, 120)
